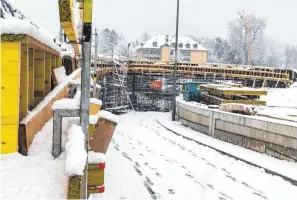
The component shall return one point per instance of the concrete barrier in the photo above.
(274, 137)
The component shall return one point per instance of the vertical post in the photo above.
(175, 65)
(85, 85)
(95, 62)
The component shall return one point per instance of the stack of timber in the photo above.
(223, 94)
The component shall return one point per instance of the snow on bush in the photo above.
(96, 158)
(60, 74)
(108, 115)
(76, 155)
(96, 101)
(49, 97)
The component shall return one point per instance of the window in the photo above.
(188, 45)
(181, 45)
(172, 45)
(195, 46)
(155, 44)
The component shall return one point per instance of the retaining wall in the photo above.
(273, 137)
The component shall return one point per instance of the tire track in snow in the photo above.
(225, 172)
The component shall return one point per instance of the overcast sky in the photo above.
(197, 17)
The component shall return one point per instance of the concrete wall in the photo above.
(263, 135)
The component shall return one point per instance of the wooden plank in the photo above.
(54, 62)
(102, 136)
(10, 85)
(33, 43)
(48, 72)
(95, 177)
(31, 79)
(39, 76)
(24, 87)
(38, 121)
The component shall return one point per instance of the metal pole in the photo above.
(95, 62)
(85, 85)
(175, 65)
(129, 51)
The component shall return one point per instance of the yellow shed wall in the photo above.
(10, 76)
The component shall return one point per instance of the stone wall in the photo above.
(273, 137)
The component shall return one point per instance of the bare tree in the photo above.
(110, 41)
(244, 31)
(145, 37)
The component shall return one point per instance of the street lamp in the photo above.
(175, 65)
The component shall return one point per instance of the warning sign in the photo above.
(157, 84)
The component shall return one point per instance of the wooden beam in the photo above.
(31, 79)
(39, 76)
(48, 72)
(32, 42)
(24, 79)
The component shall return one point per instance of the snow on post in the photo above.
(76, 155)
(108, 116)
(96, 158)
(68, 103)
(96, 101)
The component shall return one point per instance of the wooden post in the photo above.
(48, 72)
(24, 79)
(39, 76)
(31, 80)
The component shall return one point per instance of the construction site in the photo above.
(147, 85)
(141, 127)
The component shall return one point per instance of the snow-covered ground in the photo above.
(38, 175)
(145, 161)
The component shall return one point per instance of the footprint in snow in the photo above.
(138, 171)
(171, 191)
(149, 180)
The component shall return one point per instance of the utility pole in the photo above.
(95, 62)
(85, 85)
(175, 65)
(248, 29)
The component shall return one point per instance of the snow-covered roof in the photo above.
(13, 21)
(187, 43)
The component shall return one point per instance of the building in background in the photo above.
(163, 48)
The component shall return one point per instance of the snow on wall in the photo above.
(161, 40)
(15, 22)
(50, 96)
(96, 158)
(67, 103)
(76, 156)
